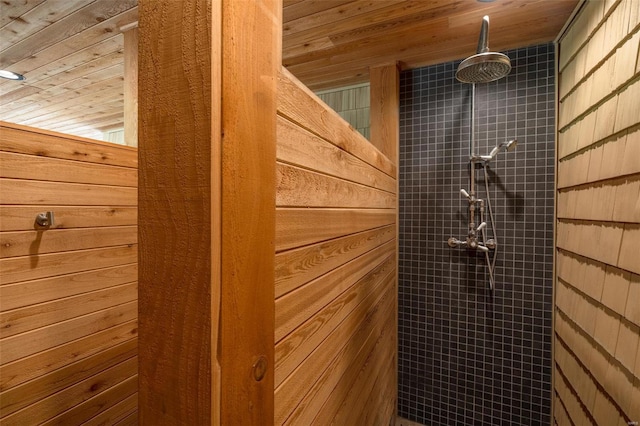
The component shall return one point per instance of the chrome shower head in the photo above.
(509, 146)
(484, 66)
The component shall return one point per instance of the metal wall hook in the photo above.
(45, 219)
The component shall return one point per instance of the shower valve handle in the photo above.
(481, 227)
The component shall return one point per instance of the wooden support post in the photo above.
(385, 135)
(130, 33)
(385, 113)
(251, 60)
(207, 102)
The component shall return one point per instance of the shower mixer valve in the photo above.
(472, 241)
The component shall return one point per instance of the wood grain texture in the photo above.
(300, 105)
(299, 227)
(295, 402)
(34, 341)
(174, 198)
(32, 391)
(597, 291)
(294, 348)
(297, 267)
(25, 319)
(250, 64)
(131, 87)
(27, 293)
(33, 243)
(75, 395)
(23, 268)
(43, 363)
(296, 307)
(69, 292)
(22, 218)
(326, 43)
(27, 140)
(335, 307)
(18, 191)
(20, 166)
(385, 110)
(297, 187)
(304, 149)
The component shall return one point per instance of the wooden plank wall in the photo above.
(597, 312)
(335, 266)
(68, 294)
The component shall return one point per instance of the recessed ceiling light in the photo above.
(11, 75)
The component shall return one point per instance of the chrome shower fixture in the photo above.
(484, 66)
(509, 146)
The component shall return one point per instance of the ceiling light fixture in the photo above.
(11, 75)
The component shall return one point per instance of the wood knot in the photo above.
(260, 369)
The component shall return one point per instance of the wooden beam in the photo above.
(131, 86)
(385, 110)
(174, 212)
(207, 98)
(251, 60)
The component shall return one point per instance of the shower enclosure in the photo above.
(467, 355)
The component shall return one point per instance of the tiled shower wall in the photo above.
(469, 355)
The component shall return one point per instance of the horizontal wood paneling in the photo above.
(40, 364)
(18, 191)
(22, 218)
(20, 166)
(38, 142)
(299, 227)
(68, 318)
(335, 266)
(22, 396)
(296, 307)
(301, 106)
(33, 292)
(597, 291)
(302, 188)
(21, 268)
(23, 243)
(297, 267)
(297, 346)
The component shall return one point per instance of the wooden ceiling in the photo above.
(71, 51)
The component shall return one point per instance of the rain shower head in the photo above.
(484, 66)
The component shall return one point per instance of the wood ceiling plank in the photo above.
(308, 7)
(90, 17)
(86, 115)
(72, 44)
(76, 82)
(107, 117)
(51, 61)
(36, 19)
(331, 16)
(375, 21)
(104, 121)
(13, 9)
(371, 51)
(58, 78)
(90, 93)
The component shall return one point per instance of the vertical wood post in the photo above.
(385, 113)
(207, 105)
(385, 135)
(251, 59)
(131, 85)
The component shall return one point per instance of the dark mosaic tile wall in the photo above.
(467, 355)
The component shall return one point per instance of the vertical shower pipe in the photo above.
(472, 164)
